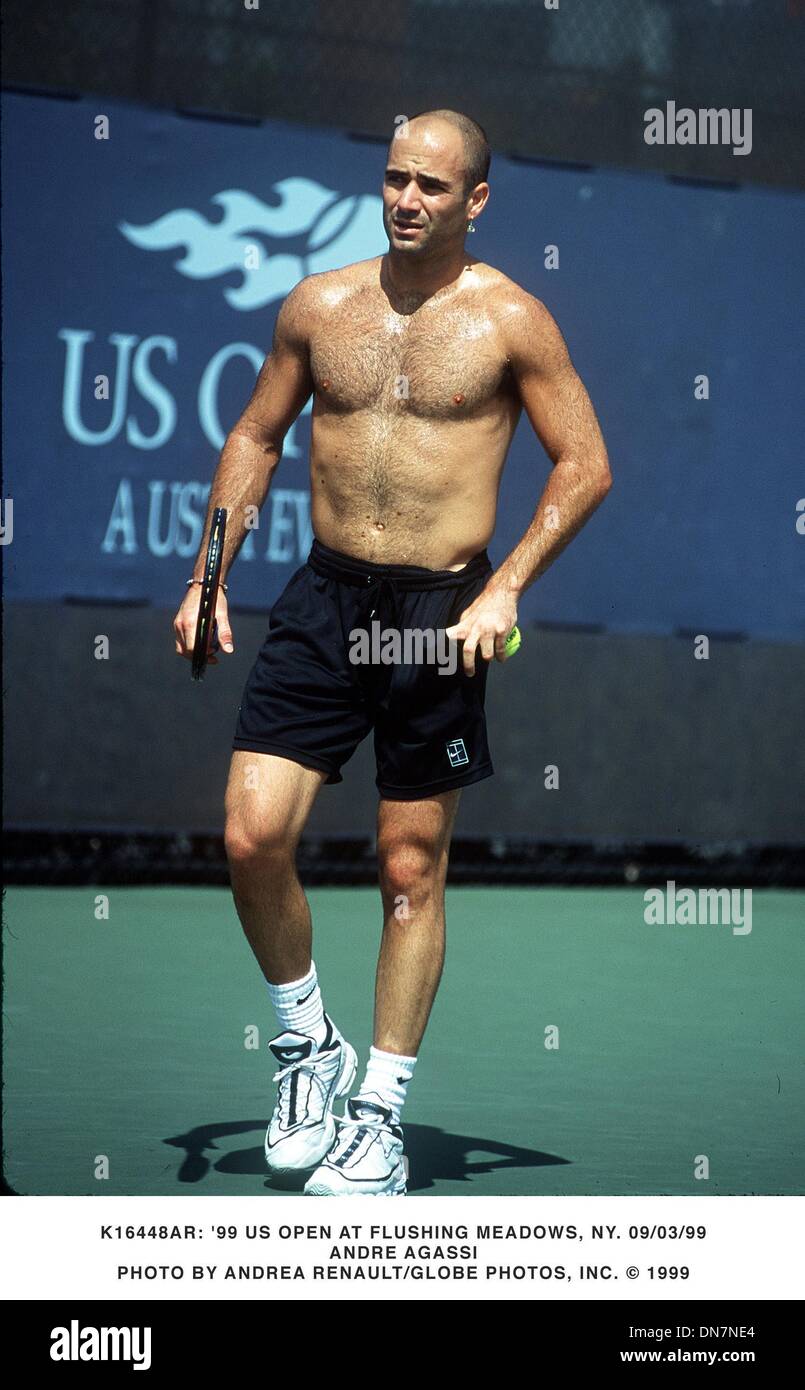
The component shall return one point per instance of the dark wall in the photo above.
(651, 744)
(569, 82)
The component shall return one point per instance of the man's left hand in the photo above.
(485, 624)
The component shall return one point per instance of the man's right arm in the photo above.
(251, 453)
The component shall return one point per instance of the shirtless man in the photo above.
(419, 362)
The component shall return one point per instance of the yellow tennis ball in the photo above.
(513, 641)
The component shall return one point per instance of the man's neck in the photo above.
(404, 278)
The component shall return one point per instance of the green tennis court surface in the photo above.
(125, 1038)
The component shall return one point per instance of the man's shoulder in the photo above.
(519, 316)
(325, 289)
(506, 298)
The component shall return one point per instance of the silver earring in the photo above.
(470, 226)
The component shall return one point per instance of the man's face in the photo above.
(424, 207)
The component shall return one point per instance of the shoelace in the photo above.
(284, 1094)
(346, 1126)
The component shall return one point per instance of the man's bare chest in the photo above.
(447, 365)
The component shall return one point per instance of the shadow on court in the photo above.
(433, 1156)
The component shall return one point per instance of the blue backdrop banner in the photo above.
(134, 331)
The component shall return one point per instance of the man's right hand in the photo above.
(184, 624)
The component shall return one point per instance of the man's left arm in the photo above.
(562, 416)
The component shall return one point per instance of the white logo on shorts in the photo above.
(457, 753)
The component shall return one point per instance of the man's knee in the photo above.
(248, 845)
(410, 865)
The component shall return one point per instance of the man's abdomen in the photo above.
(398, 493)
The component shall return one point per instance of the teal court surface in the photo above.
(127, 1038)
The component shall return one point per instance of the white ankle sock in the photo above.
(299, 1006)
(387, 1076)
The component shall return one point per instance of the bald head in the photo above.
(477, 154)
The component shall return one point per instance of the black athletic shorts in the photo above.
(320, 681)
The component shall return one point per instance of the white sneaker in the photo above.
(302, 1128)
(366, 1158)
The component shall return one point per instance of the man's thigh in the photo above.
(423, 827)
(269, 798)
